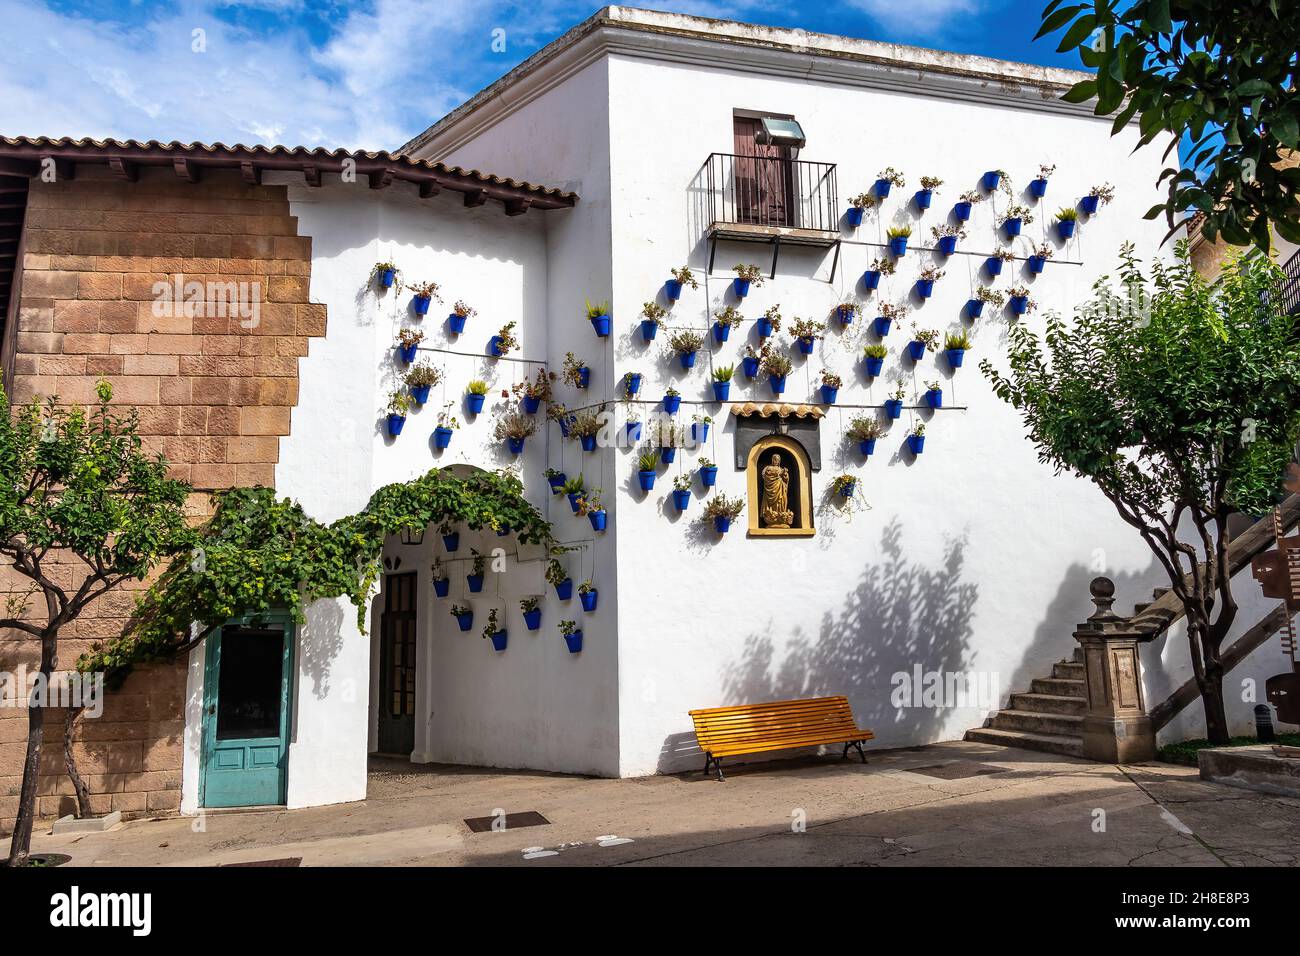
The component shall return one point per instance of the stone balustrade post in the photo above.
(1116, 727)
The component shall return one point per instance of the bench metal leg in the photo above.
(845, 755)
(717, 765)
(861, 753)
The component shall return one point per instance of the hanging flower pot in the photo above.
(845, 314)
(649, 327)
(699, 431)
(740, 287)
(420, 393)
(633, 431)
(777, 382)
(721, 524)
(871, 279)
(1019, 304)
(1038, 187)
(916, 350)
(806, 345)
(882, 187)
(475, 582)
(441, 587)
(474, 402)
(764, 325)
(925, 288)
(564, 590)
(601, 324)
(1012, 226)
(668, 454)
(574, 500)
(875, 366)
(990, 180)
(672, 403)
(993, 266)
(721, 331)
(672, 290)
(598, 518)
(407, 353)
(533, 619)
(646, 480)
(387, 277)
(867, 447)
(894, 407)
(854, 216)
(632, 383)
(1089, 204)
(494, 346)
(1036, 263)
(845, 488)
(466, 621)
(721, 390)
(588, 442)
(531, 404)
(934, 397)
(923, 198)
(974, 308)
(947, 245)
(588, 599)
(709, 475)
(565, 422)
(882, 325)
(749, 365)
(961, 211)
(681, 499)
(829, 394)
(499, 641)
(584, 377)
(516, 445)
(456, 323)
(687, 359)
(395, 424)
(557, 481)
(898, 246)
(574, 641)
(1066, 227)
(421, 303)
(451, 542)
(916, 444)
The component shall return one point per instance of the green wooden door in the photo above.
(397, 666)
(246, 692)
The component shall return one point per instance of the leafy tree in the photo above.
(78, 491)
(1221, 72)
(1181, 402)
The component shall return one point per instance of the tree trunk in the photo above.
(1216, 718)
(70, 761)
(21, 844)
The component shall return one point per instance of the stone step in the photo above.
(1030, 722)
(1047, 743)
(1078, 655)
(1069, 670)
(1049, 704)
(1058, 686)
(1158, 593)
(1141, 606)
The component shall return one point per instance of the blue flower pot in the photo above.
(871, 279)
(898, 246)
(598, 519)
(1012, 226)
(1036, 264)
(646, 480)
(557, 482)
(709, 476)
(934, 397)
(649, 328)
(925, 288)
(875, 366)
(588, 442)
(777, 382)
(1038, 187)
(474, 402)
(687, 359)
(1066, 227)
(475, 582)
(632, 383)
(442, 587)
(466, 621)
(584, 377)
(955, 357)
(588, 599)
(894, 407)
(601, 324)
(451, 542)
(1019, 304)
(573, 502)
(387, 277)
(916, 444)
(533, 619)
(923, 198)
(456, 323)
(961, 211)
(531, 404)
(672, 290)
(421, 303)
(993, 266)
(844, 314)
(516, 445)
(699, 432)
(499, 641)
(806, 345)
(681, 499)
(915, 350)
(565, 422)
(854, 216)
(882, 325)
(740, 287)
(668, 454)
(633, 431)
(749, 365)
(829, 394)
(947, 245)
(764, 326)
(1089, 204)
(407, 353)
(867, 447)
(990, 181)
(395, 424)
(494, 346)
(974, 308)
(564, 590)
(420, 393)
(503, 532)
(721, 524)
(882, 187)
(846, 489)
(441, 437)
(721, 390)
(574, 641)
(721, 331)
(672, 403)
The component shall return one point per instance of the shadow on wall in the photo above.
(319, 643)
(898, 616)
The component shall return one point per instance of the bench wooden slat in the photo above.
(776, 725)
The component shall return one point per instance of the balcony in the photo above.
(1291, 285)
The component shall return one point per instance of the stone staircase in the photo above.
(1048, 718)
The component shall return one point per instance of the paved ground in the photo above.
(947, 804)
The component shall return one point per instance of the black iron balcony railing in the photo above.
(771, 191)
(1291, 285)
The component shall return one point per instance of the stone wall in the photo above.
(214, 397)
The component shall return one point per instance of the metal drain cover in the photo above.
(955, 771)
(511, 821)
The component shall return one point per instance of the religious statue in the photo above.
(775, 510)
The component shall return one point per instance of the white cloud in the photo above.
(918, 18)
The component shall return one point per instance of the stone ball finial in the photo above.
(1103, 595)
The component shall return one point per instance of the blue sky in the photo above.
(365, 74)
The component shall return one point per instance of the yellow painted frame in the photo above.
(754, 498)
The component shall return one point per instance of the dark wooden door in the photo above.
(763, 177)
(397, 665)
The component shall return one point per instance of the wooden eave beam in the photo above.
(186, 170)
(250, 172)
(123, 168)
(429, 189)
(380, 178)
(517, 207)
(475, 197)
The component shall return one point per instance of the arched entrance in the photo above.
(778, 477)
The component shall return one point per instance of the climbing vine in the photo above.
(259, 552)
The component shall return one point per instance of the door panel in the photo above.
(397, 665)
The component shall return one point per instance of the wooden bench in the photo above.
(778, 725)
